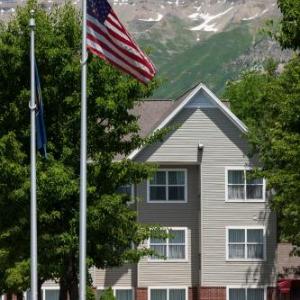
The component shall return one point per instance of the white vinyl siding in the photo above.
(245, 243)
(246, 293)
(168, 186)
(173, 248)
(241, 186)
(167, 293)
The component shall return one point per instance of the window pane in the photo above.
(236, 235)
(255, 236)
(176, 193)
(236, 192)
(237, 294)
(124, 294)
(236, 251)
(154, 240)
(176, 177)
(158, 294)
(254, 192)
(177, 236)
(176, 294)
(255, 251)
(236, 177)
(176, 252)
(52, 294)
(160, 251)
(124, 189)
(251, 179)
(158, 193)
(255, 294)
(159, 178)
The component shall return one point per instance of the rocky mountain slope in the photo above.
(210, 41)
(190, 41)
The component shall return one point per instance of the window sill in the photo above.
(168, 261)
(246, 201)
(166, 202)
(245, 260)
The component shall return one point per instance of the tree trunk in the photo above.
(63, 289)
(73, 280)
(40, 283)
(69, 282)
(19, 296)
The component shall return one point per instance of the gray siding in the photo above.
(124, 276)
(176, 215)
(223, 146)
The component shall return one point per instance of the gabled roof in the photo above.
(156, 114)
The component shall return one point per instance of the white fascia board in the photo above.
(226, 110)
(219, 104)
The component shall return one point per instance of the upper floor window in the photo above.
(239, 293)
(241, 185)
(245, 243)
(168, 186)
(127, 189)
(173, 248)
(168, 293)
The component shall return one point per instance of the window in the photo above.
(245, 244)
(168, 186)
(168, 293)
(127, 189)
(238, 293)
(119, 293)
(51, 294)
(172, 248)
(242, 186)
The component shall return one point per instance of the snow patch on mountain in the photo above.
(157, 19)
(205, 26)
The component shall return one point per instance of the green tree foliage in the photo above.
(269, 105)
(112, 132)
(107, 294)
(289, 34)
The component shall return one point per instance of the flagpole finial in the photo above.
(32, 21)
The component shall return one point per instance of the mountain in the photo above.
(211, 41)
(190, 41)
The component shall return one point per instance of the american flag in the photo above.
(109, 39)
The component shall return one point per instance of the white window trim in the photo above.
(246, 287)
(246, 259)
(166, 185)
(115, 288)
(243, 168)
(44, 289)
(167, 260)
(167, 288)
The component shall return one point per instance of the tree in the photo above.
(289, 33)
(112, 132)
(269, 104)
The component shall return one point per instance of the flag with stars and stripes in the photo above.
(109, 39)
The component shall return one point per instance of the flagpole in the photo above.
(33, 205)
(83, 158)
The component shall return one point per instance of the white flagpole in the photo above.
(83, 158)
(33, 206)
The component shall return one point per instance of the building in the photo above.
(223, 234)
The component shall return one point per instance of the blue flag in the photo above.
(41, 138)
